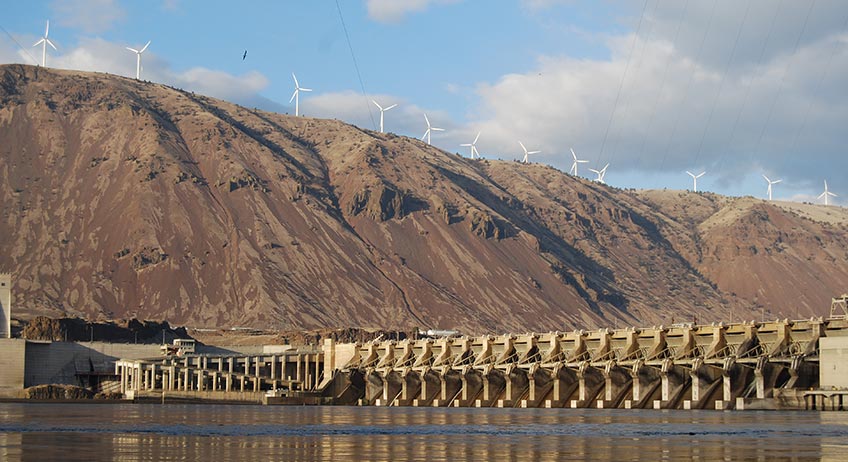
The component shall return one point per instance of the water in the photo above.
(221, 433)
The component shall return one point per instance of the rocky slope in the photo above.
(129, 199)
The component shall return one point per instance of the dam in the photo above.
(779, 364)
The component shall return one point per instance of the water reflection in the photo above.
(234, 433)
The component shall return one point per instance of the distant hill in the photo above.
(123, 199)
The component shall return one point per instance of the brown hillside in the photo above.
(130, 199)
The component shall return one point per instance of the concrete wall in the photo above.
(5, 306)
(59, 362)
(833, 365)
(12, 353)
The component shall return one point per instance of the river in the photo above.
(222, 433)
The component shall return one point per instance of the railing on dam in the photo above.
(682, 366)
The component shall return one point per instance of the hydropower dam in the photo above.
(780, 364)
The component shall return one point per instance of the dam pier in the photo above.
(751, 365)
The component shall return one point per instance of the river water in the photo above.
(216, 433)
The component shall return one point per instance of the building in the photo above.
(5, 305)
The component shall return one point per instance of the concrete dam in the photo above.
(779, 364)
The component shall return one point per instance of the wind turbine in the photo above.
(138, 59)
(473, 147)
(695, 179)
(382, 110)
(527, 153)
(44, 42)
(430, 129)
(600, 173)
(296, 95)
(826, 193)
(770, 182)
(573, 170)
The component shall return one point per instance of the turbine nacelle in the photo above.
(430, 129)
(695, 179)
(601, 173)
(296, 95)
(573, 170)
(475, 154)
(382, 110)
(44, 42)
(527, 153)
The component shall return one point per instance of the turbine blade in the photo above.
(582, 161)
(393, 105)
(832, 194)
(375, 103)
(700, 174)
(534, 152)
(476, 138)
(295, 80)
(132, 49)
(466, 144)
(145, 47)
(690, 173)
(38, 43)
(50, 43)
(767, 178)
(775, 181)
(425, 134)
(573, 154)
(821, 195)
(305, 89)
(437, 129)
(47, 29)
(427, 120)
(522, 147)
(293, 95)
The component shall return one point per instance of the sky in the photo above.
(655, 88)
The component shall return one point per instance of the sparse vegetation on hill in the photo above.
(124, 199)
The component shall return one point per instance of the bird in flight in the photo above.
(244, 55)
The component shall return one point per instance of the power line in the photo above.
(19, 45)
(621, 84)
(721, 84)
(664, 80)
(785, 72)
(750, 81)
(689, 83)
(356, 65)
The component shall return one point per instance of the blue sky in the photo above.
(738, 88)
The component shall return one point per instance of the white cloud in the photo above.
(91, 16)
(392, 11)
(678, 109)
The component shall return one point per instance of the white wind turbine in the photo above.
(527, 153)
(138, 59)
(826, 193)
(382, 110)
(770, 182)
(44, 42)
(430, 129)
(600, 173)
(573, 170)
(475, 154)
(695, 179)
(296, 96)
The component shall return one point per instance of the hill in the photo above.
(132, 199)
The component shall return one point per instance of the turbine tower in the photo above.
(573, 170)
(138, 59)
(382, 110)
(296, 96)
(826, 193)
(475, 154)
(695, 179)
(44, 42)
(600, 173)
(770, 182)
(527, 153)
(430, 128)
